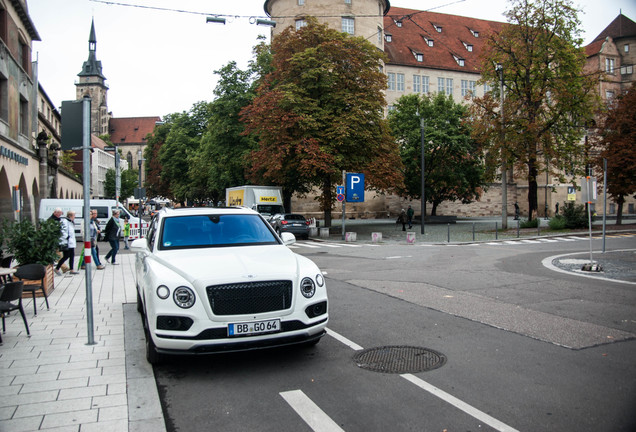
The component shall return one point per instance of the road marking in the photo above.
(310, 412)
(579, 238)
(307, 245)
(457, 403)
(547, 263)
(468, 409)
(354, 346)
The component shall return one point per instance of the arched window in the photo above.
(130, 160)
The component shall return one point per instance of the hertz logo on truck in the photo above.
(268, 199)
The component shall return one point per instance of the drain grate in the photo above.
(399, 359)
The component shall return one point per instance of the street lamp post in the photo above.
(423, 200)
(504, 174)
(139, 161)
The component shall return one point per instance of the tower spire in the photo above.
(92, 66)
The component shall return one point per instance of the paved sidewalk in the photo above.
(54, 381)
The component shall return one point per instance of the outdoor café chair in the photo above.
(10, 300)
(33, 272)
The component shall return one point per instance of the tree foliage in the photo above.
(548, 97)
(129, 181)
(453, 166)
(618, 142)
(319, 112)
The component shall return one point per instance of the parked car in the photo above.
(292, 223)
(219, 279)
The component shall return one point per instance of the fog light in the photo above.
(163, 292)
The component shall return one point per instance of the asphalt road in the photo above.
(526, 348)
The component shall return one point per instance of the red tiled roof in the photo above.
(594, 48)
(457, 32)
(131, 130)
(97, 142)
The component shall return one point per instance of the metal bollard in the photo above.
(473, 231)
(448, 234)
(496, 230)
(517, 228)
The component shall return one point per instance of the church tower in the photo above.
(358, 17)
(92, 84)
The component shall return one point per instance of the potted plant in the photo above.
(31, 244)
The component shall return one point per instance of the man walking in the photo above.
(409, 216)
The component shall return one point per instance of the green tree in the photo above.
(618, 143)
(177, 152)
(155, 183)
(548, 97)
(319, 112)
(129, 181)
(453, 166)
(220, 162)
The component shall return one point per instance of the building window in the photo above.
(630, 208)
(475, 33)
(4, 98)
(612, 208)
(300, 23)
(24, 116)
(438, 29)
(487, 88)
(449, 86)
(440, 85)
(391, 81)
(626, 70)
(348, 25)
(301, 2)
(417, 84)
(400, 82)
(419, 57)
(398, 23)
(626, 48)
(390, 108)
(460, 61)
(347, 2)
(379, 35)
(429, 42)
(388, 37)
(469, 47)
(609, 65)
(468, 88)
(425, 84)
(464, 88)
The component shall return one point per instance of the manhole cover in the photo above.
(399, 359)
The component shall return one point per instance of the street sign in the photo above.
(355, 187)
(340, 190)
(340, 197)
(109, 148)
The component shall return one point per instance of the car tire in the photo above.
(152, 356)
(140, 306)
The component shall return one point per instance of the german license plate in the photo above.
(254, 327)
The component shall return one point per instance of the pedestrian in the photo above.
(556, 211)
(402, 219)
(126, 232)
(57, 214)
(69, 243)
(409, 216)
(516, 211)
(111, 233)
(95, 231)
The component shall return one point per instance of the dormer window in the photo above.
(438, 29)
(460, 61)
(469, 47)
(397, 23)
(388, 37)
(475, 33)
(418, 56)
(428, 41)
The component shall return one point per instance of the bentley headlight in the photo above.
(307, 287)
(184, 297)
(320, 280)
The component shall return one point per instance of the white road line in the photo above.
(468, 409)
(307, 245)
(354, 346)
(512, 242)
(310, 412)
(579, 238)
(528, 241)
(565, 239)
(548, 240)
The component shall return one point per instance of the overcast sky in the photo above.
(161, 62)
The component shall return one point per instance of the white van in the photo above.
(104, 209)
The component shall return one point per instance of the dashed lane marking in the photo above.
(311, 413)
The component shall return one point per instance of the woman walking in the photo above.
(111, 233)
(68, 234)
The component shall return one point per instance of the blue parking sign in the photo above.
(355, 187)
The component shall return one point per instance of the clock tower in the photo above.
(92, 83)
